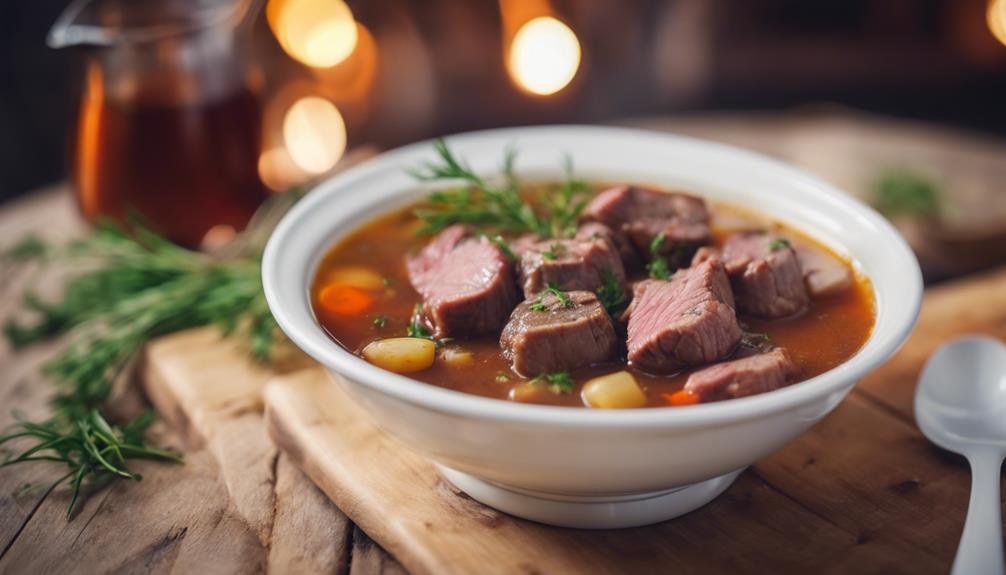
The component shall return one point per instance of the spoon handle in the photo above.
(981, 549)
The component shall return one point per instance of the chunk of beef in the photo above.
(545, 335)
(431, 255)
(642, 214)
(568, 265)
(626, 251)
(705, 253)
(741, 377)
(824, 274)
(686, 321)
(765, 275)
(467, 284)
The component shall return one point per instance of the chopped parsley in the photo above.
(388, 281)
(610, 294)
(778, 244)
(554, 251)
(416, 328)
(557, 381)
(502, 377)
(559, 294)
(658, 267)
(380, 321)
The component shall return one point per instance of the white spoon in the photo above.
(960, 404)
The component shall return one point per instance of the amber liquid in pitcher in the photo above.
(183, 167)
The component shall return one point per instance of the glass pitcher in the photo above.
(169, 124)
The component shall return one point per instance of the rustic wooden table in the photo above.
(180, 518)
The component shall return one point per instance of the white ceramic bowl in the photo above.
(583, 467)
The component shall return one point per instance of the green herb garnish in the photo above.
(778, 244)
(501, 377)
(657, 267)
(416, 328)
(553, 289)
(503, 246)
(555, 251)
(380, 321)
(498, 207)
(130, 287)
(558, 381)
(93, 450)
(388, 281)
(610, 294)
(904, 193)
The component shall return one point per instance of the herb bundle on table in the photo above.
(132, 286)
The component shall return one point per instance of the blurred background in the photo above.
(898, 100)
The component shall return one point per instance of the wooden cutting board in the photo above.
(862, 491)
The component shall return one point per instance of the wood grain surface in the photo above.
(861, 491)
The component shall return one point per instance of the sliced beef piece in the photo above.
(765, 275)
(467, 284)
(431, 255)
(686, 321)
(741, 377)
(545, 334)
(642, 214)
(705, 253)
(569, 265)
(523, 243)
(622, 243)
(824, 274)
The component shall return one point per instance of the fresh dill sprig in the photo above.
(610, 294)
(557, 382)
(496, 207)
(658, 268)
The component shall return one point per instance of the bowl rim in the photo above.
(315, 342)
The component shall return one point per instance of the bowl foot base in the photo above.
(591, 512)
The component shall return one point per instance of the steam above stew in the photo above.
(589, 295)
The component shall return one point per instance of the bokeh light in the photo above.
(314, 134)
(996, 16)
(544, 56)
(318, 33)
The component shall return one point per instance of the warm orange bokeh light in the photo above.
(996, 16)
(544, 55)
(314, 134)
(317, 33)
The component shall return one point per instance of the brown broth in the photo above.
(830, 332)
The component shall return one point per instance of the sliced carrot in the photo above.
(683, 397)
(342, 299)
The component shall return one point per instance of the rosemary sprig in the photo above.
(91, 448)
(496, 207)
(130, 287)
